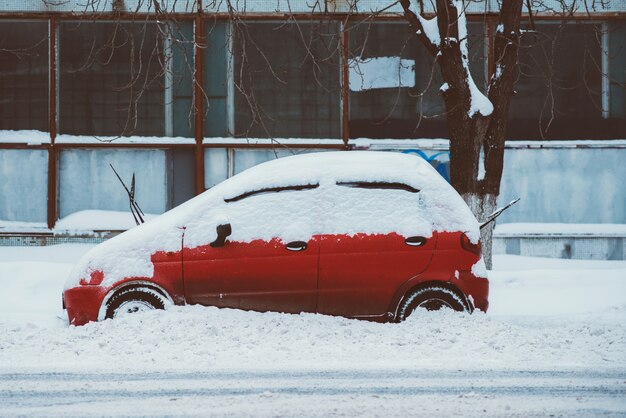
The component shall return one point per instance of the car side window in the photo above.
(272, 212)
(270, 190)
(376, 207)
(378, 185)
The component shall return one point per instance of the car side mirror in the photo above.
(223, 231)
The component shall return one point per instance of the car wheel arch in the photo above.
(135, 284)
(395, 313)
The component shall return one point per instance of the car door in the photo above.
(269, 263)
(384, 239)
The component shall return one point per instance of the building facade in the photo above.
(186, 94)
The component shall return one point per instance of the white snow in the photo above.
(32, 137)
(544, 313)
(554, 340)
(480, 268)
(16, 226)
(326, 209)
(498, 73)
(381, 73)
(481, 165)
(149, 140)
(98, 220)
(24, 137)
(431, 30)
(277, 142)
(444, 87)
(560, 229)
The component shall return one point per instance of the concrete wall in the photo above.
(567, 185)
(556, 183)
(86, 180)
(23, 185)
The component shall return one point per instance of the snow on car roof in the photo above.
(316, 168)
(327, 209)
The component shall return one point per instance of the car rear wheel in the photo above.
(431, 298)
(133, 300)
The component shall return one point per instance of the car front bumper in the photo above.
(83, 303)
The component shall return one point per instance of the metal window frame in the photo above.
(54, 18)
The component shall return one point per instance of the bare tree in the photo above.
(476, 122)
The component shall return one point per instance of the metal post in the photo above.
(168, 91)
(345, 89)
(52, 123)
(198, 99)
(606, 82)
(230, 71)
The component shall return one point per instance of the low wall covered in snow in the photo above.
(558, 182)
(565, 184)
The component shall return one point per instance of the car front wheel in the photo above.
(431, 298)
(133, 300)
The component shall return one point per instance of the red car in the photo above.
(359, 234)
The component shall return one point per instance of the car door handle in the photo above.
(296, 246)
(415, 241)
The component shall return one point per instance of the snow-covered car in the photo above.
(359, 234)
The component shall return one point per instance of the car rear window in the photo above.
(378, 185)
(270, 190)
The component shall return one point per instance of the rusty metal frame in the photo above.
(52, 209)
(198, 19)
(273, 15)
(309, 145)
(345, 87)
(198, 98)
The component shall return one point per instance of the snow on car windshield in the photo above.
(424, 203)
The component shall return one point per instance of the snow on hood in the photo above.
(325, 209)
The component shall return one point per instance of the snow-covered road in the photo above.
(383, 393)
(553, 343)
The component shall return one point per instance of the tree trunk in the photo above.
(483, 206)
(476, 126)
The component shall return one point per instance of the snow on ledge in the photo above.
(23, 227)
(125, 140)
(523, 229)
(98, 220)
(444, 144)
(227, 141)
(28, 137)
(31, 137)
(82, 222)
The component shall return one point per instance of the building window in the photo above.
(217, 38)
(394, 81)
(179, 61)
(24, 75)
(287, 79)
(559, 93)
(111, 79)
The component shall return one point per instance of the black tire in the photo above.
(134, 299)
(432, 298)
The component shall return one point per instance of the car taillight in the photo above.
(467, 245)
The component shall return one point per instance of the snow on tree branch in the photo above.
(429, 26)
(479, 102)
(426, 29)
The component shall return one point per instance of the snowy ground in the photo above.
(553, 343)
